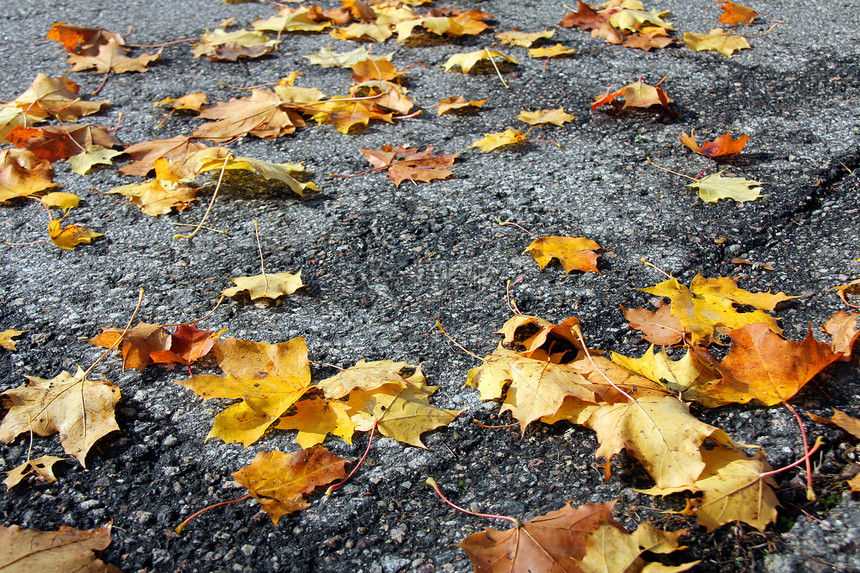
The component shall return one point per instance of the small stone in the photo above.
(170, 441)
(248, 549)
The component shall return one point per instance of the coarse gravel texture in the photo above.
(383, 264)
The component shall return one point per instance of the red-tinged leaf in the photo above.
(723, 145)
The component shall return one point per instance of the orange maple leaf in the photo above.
(658, 327)
(723, 145)
(763, 366)
(61, 141)
(187, 344)
(734, 14)
(407, 163)
(136, 343)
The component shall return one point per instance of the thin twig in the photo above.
(432, 483)
(498, 73)
(211, 203)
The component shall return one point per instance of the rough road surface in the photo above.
(383, 264)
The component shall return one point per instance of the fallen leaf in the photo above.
(854, 483)
(657, 327)
(136, 345)
(315, 418)
(723, 145)
(79, 39)
(43, 467)
(213, 159)
(326, 58)
(636, 95)
(363, 30)
(82, 162)
(190, 102)
(492, 141)
(714, 187)
(660, 432)
(844, 328)
(538, 338)
(262, 114)
(611, 549)
(841, 419)
(367, 376)
(763, 366)
(523, 39)
(187, 345)
(544, 116)
(551, 542)
(146, 153)
(265, 285)
(375, 69)
(556, 51)
(734, 14)
(68, 549)
(60, 200)
(6, 338)
(346, 112)
(717, 40)
(708, 305)
(281, 481)
(843, 290)
(297, 19)
(688, 376)
(574, 253)
(23, 174)
(399, 413)
(468, 60)
(220, 45)
(60, 142)
(70, 236)
(268, 378)
(80, 410)
(734, 488)
(409, 164)
(159, 196)
(111, 58)
(458, 104)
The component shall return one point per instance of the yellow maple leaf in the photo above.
(281, 481)
(315, 418)
(492, 141)
(22, 173)
(288, 19)
(556, 51)
(523, 39)
(468, 60)
(708, 305)
(42, 466)
(718, 40)
(574, 253)
(458, 104)
(6, 338)
(265, 285)
(368, 376)
(70, 236)
(268, 378)
(714, 187)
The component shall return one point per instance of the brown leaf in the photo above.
(658, 327)
(841, 419)
(146, 153)
(62, 141)
(23, 174)
(262, 115)
(66, 550)
(636, 95)
(137, 344)
(111, 58)
(535, 337)
(281, 481)
(407, 163)
(187, 344)
(844, 327)
(80, 410)
(224, 46)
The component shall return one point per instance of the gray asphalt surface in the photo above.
(384, 264)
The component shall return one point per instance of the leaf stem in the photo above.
(204, 317)
(810, 493)
(670, 171)
(260, 250)
(182, 525)
(211, 203)
(520, 227)
(457, 344)
(432, 483)
(498, 73)
(120, 337)
(331, 488)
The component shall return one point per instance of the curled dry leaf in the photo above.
(844, 290)
(636, 95)
(265, 285)
(841, 419)
(70, 236)
(281, 481)
(574, 253)
(734, 14)
(327, 58)
(556, 51)
(68, 549)
(190, 102)
(23, 174)
(717, 40)
(457, 104)
(80, 410)
(221, 45)
(844, 328)
(723, 145)
(61, 141)
(523, 39)
(187, 345)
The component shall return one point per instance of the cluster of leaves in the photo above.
(628, 24)
(544, 372)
